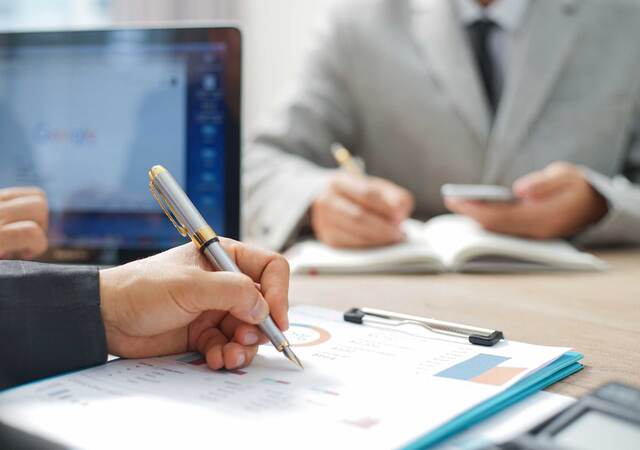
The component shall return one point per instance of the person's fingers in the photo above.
(238, 331)
(381, 197)
(401, 200)
(210, 344)
(545, 182)
(226, 291)
(219, 352)
(247, 334)
(22, 191)
(250, 352)
(29, 207)
(354, 219)
(269, 269)
(206, 320)
(507, 218)
(229, 324)
(24, 238)
(236, 355)
(339, 238)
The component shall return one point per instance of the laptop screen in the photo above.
(85, 115)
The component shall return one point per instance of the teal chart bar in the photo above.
(473, 367)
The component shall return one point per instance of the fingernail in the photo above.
(260, 310)
(241, 359)
(250, 339)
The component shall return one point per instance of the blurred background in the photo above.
(276, 32)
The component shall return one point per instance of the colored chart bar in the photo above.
(498, 375)
(274, 381)
(473, 367)
(325, 391)
(364, 422)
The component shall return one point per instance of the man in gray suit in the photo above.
(429, 92)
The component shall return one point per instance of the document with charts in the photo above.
(445, 243)
(363, 386)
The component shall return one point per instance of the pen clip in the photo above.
(168, 210)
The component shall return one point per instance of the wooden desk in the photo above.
(597, 314)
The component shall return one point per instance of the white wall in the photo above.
(20, 14)
(276, 32)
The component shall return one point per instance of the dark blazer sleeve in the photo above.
(50, 320)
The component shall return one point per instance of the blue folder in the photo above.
(561, 368)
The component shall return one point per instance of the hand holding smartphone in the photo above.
(478, 192)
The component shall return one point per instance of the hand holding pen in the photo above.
(189, 222)
(356, 210)
(173, 302)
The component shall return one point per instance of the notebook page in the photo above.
(413, 255)
(458, 239)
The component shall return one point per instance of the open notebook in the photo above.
(445, 243)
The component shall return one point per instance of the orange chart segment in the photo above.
(482, 368)
(498, 375)
(304, 335)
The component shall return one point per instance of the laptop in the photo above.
(85, 114)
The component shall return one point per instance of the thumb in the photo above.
(541, 183)
(400, 200)
(232, 292)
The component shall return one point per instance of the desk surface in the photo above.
(597, 314)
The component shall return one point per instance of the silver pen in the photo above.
(189, 222)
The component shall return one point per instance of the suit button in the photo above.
(265, 230)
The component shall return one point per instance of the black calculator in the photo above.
(607, 418)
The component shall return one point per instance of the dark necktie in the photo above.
(479, 35)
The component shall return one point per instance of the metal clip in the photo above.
(162, 201)
(475, 335)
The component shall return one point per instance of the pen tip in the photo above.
(292, 357)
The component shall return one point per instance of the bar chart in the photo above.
(484, 369)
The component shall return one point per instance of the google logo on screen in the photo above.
(52, 135)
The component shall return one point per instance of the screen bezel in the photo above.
(229, 35)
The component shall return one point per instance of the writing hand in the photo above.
(360, 212)
(173, 302)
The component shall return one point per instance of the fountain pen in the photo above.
(189, 222)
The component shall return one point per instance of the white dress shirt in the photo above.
(509, 16)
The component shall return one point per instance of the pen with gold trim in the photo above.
(189, 222)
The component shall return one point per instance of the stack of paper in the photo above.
(362, 386)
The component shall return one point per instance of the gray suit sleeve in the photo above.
(288, 162)
(621, 225)
(50, 320)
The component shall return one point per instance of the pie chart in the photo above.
(304, 335)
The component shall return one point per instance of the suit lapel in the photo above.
(441, 37)
(537, 62)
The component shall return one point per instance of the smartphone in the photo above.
(481, 192)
